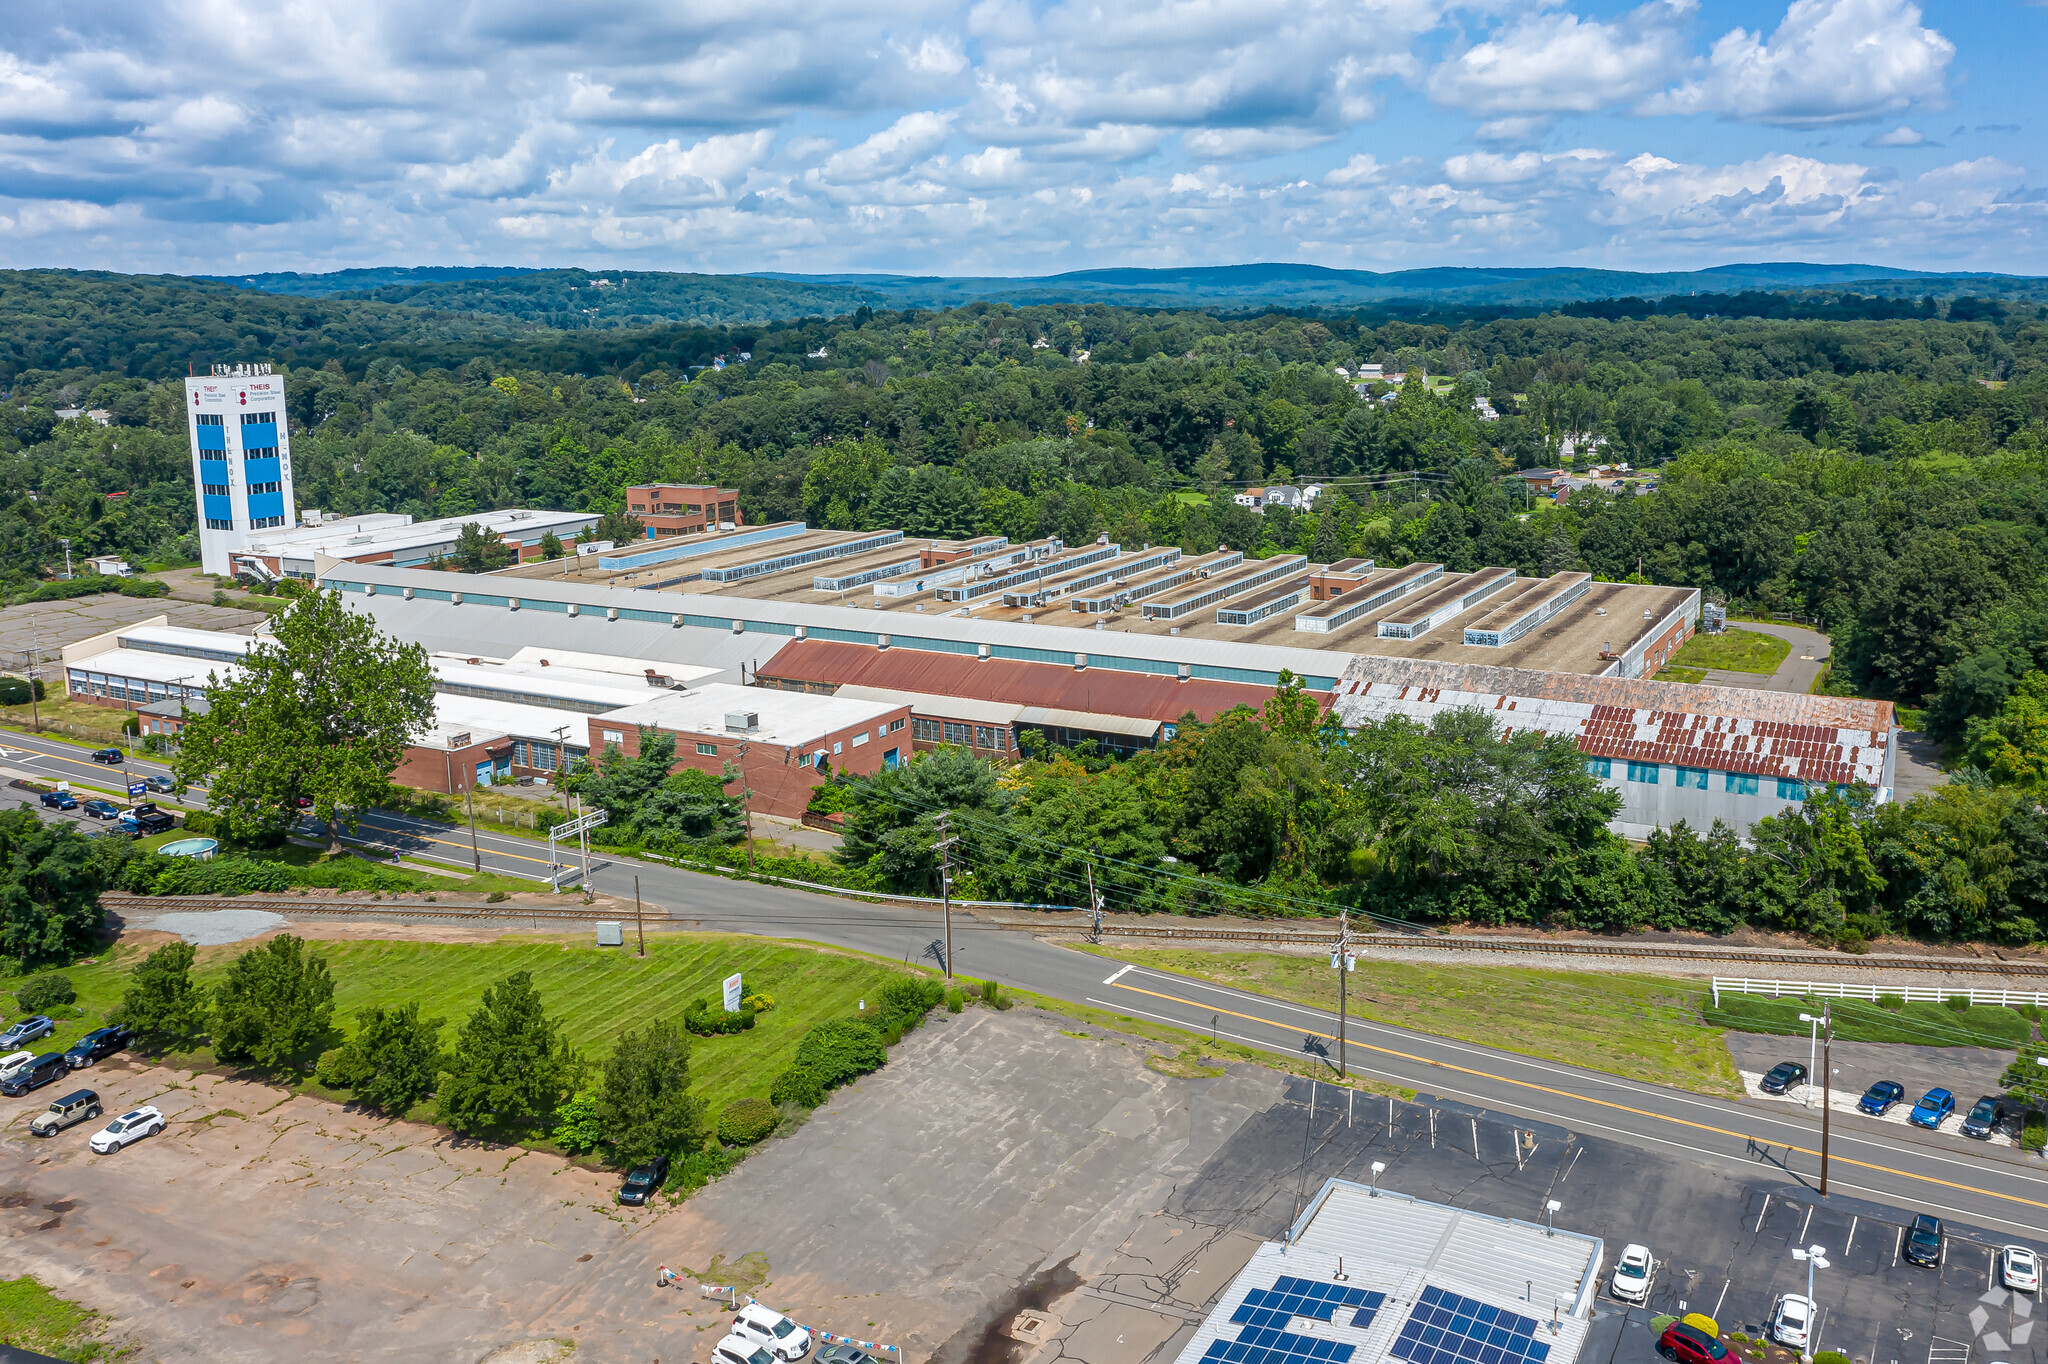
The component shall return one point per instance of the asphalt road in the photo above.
(1990, 1189)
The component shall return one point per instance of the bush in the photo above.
(1958, 1003)
(760, 1004)
(746, 1121)
(708, 1020)
(1831, 1357)
(577, 1127)
(697, 1169)
(1891, 1002)
(143, 587)
(15, 692)
(841, 1049)
(905, 1002)
(45, 992)
(2034, 1131)
(798, 1085)
(956, 1000)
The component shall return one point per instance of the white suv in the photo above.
(13, 1061)
(130, 1126)
(740, 1350)
(766, 1326)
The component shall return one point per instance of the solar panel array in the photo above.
(1266, 1312)
(1448, 1328)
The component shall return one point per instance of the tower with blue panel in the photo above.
(241, 459)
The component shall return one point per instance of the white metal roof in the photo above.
(149, 666)
(510, 718)
(566, 684)
(373, 535)
(606, 663)
(184, 637)
(786, 717)
(949, 707)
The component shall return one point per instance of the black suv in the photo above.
(1990, 1115)
(643, 1181)
(1925, 1241)
(98, 1043)
(37, 1073)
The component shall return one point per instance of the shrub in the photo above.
(708, 1020)
(1958, 1003)
(697, 1169)
(760, 1004)
(1853, 942)
(956, 1000)
(577, 1126)
(992, 995)
(840, 1049)
(798, 1085)
(1831, 1357)
(905, 1002)
(45, 992)
(1891, 1002)
(746, 1121)
(143, 587)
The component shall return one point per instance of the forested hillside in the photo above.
(1887, 475)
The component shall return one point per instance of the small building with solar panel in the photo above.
(1366, 1276)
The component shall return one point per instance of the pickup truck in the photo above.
(144, 820)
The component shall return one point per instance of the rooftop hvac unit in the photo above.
(742, 721)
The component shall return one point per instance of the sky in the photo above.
(1020, 137)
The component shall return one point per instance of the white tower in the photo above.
(241, 459)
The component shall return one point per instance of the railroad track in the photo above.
(291, 906)
(1563, 948)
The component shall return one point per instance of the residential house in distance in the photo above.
(1282, 495)
(1255, 498)
(684, 508)
(1541, 480)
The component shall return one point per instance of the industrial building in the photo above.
(1367, 1275)
(395, 538)
(241, 458)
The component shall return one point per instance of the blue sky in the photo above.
(1016, 137)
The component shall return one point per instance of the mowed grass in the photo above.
(34, 1318)
(598, 994)
(1736, 650)
(1642, 1027)
(1856, 1020)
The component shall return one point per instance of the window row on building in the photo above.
(1695, 778)
(545, 757)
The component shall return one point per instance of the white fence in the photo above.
(1909, 993)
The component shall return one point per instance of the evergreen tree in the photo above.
(392, 1061)
(274, 1004)
(644, 1102)
(511, 1066)
(162, 1003)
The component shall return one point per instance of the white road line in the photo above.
(1806, 1222)
(1896, 1246)
(1722, 1109)
(1761, 1214)
(1723, 1298)
(1115, 978)
(1852, 1237)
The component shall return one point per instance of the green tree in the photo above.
(323, 710)
(392, 1061)
(550, 545)
(621, 528)
(275, 1002)
(511, 1066)
(643, 1099)
(162, 1004)
(2013, 745)
(49, 897)
(479, 549)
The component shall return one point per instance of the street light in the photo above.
(1816, 1258)
(1551, 1207)
(1812, 1053)
(1379, 1167)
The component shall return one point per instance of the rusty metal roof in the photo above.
(1050, 685)
(1728, 729)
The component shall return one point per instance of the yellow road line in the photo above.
(1587, 1098)
(447, 843)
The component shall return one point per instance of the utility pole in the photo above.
(35, 672)
(67, 560)
(1341, 958)
(1094, 897)
(747, 802)
(1827, 1070)
(469, 799)
(562, 763)
(639, 926)
(944, 849)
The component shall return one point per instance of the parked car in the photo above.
(1925, 1241)
(642, 1181)
(2019, 1269)
(740, 1350)
(161, 785)
(1792, 1321)
(14, 1061)
(101, 809)
(1936, 1106)
(131, 1126)
(1782, 1077)
(80, 1105)
(1632, 1273)
(845, 1354)
(109, 756)
(1990, 1115)
(100, 1042)
(37, 1073)
(765, 1326)
(1685, 1344)
(26, 1030)
(60, 800)
(1879, 1099)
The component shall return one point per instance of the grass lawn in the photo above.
(1643, 1027)
(1193, 499)
(1678, 672)
(1737, 650)
(600, 993)
(1927, 1025)
(34, 1318)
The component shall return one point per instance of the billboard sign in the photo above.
(732, 993)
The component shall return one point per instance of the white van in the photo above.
(766, 1326)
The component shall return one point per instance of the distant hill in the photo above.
(583, 300)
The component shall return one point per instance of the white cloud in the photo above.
(896, 148)
(1901, 136)
(1362, 169)
(1557, 62)
(1829, 61)
(1243, 144)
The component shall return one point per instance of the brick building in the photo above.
(684, 508)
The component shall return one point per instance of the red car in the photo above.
(1690, 1345)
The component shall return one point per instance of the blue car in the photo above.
(1879, 1098)
(1936, 1106)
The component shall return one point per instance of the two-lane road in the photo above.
(1994, 1189)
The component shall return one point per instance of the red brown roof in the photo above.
(1098, 691)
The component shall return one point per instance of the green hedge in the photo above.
(798, 1085)
(154, 874)
(708, 1020)
(841, 1049)
(44, 992)
(746, 1121)
(1924, 1024)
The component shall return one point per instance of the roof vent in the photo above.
(1027, 617)
(802, 632)
(742, 721)
(1080, 662)
(455, 597)
(515, 603)
(1187, 670)
(408, 594)
(739, 627)
(1173, 629)
(611, 613)
(881, 641)
(572, 609)
(461, 740)
(981, 651)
